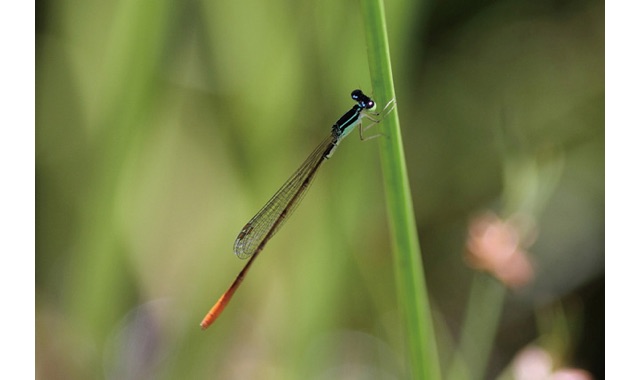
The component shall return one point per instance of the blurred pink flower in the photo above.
(496, 246)
(534, 363)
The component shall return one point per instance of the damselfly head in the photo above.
(363, 100)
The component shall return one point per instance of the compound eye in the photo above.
(370, 104)
(356, 94)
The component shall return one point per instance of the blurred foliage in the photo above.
(162, 127)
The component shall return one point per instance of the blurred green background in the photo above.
(162, 127)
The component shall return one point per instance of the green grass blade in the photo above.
(410, 282)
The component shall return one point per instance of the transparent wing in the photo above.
(272, 216)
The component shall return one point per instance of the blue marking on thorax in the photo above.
(347, 122)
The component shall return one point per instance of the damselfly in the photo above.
(257, 232)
